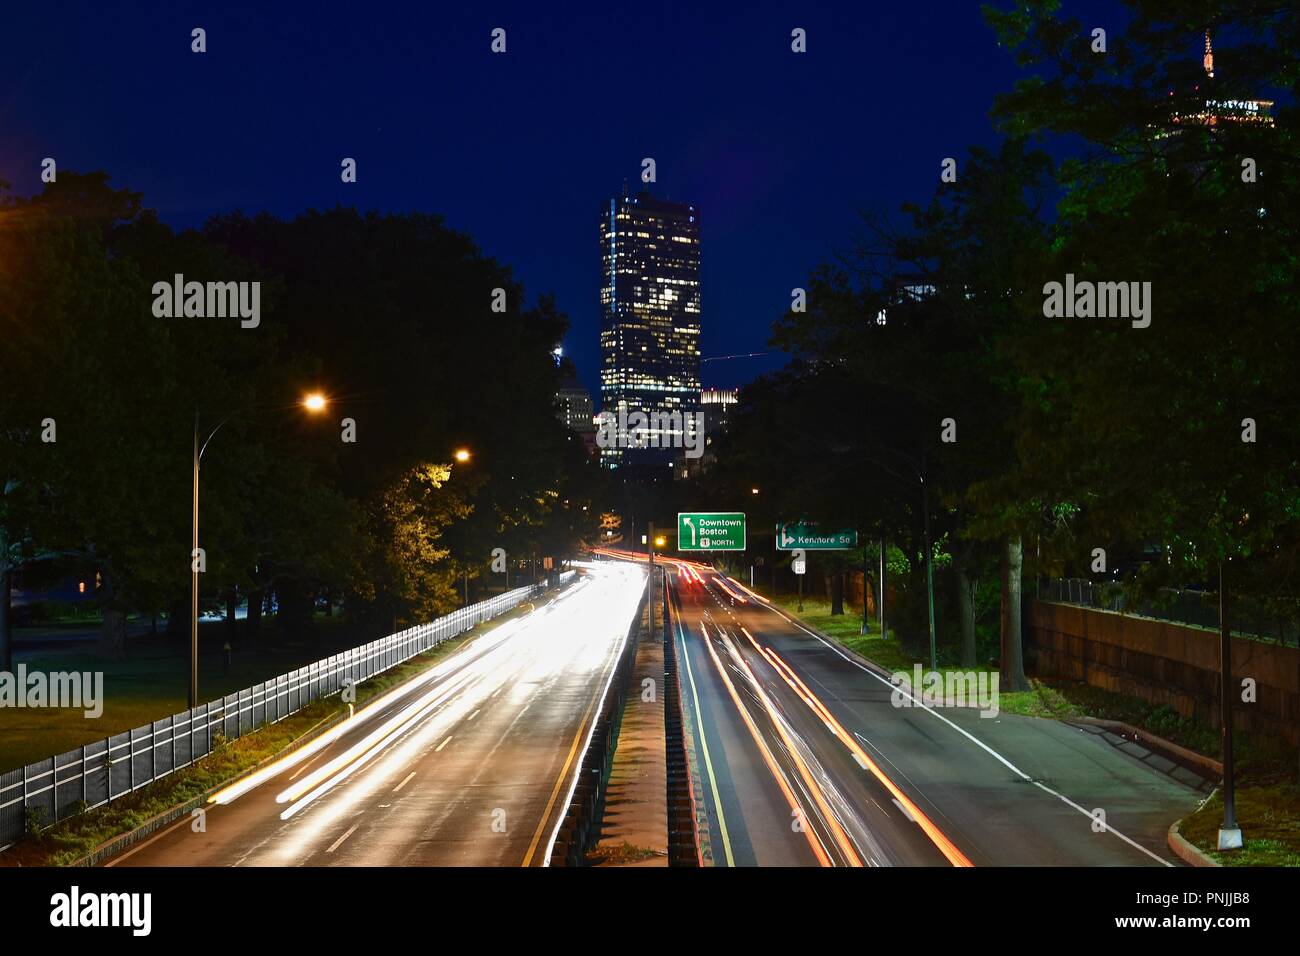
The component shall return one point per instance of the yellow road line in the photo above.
(704, 748)
(564, 772)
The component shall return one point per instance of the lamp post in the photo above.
(315, 402)
(463, 455)
(919, 471)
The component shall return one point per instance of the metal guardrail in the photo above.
(1194, 608)
(683, 833)
(66, 784)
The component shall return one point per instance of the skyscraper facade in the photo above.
(650, 331)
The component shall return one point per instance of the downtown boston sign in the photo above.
(807, 536)
(711, 531)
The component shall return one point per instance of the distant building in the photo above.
(650, 330)
(573, 406)
(718, 405)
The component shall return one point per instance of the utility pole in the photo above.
(866, 583)
(929, 562)
(650, 581)
(1229, 832)
(883, 635)
(194, 576)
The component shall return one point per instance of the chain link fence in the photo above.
(1249, 619)
(53, 789)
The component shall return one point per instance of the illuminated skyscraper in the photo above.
(649, 337)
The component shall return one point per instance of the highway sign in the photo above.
(711, 531)
(806, 535)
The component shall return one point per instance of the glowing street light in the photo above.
(462, 454)
(313, 402)
(660, 541)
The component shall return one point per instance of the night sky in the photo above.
(778, 151)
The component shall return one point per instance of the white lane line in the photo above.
(438, 749)
(898, 688)
(858, 760)
(335, 845)
(306, 764)
(404, 782)
(473, 715)
(903, 810)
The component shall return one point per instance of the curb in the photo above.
(1198, 763)
(115, 845)
(1186, 851)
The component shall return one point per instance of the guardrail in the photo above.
(683, 831)
(53, 789)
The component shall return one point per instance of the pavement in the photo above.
(809, 761)
(471, 763)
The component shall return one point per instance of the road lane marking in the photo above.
(404, 782)
(898, 803)
(704, 747)
(473, 715)
(971, 737)
(911, 810)
(438, 749)
(555, 792)
(337, 843)
(814, 841)
(828, 815)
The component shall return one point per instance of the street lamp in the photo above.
(314, 402)
(919, 470)
(462, 455)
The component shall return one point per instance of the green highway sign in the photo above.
(711, 531)
(806, 535)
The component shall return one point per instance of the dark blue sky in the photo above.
(778, 151)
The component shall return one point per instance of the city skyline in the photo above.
(782, 172)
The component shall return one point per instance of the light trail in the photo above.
(937, 837)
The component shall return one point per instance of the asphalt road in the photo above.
(809, 762)
(472, 763)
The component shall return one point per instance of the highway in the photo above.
(471, 763)
(804, 761)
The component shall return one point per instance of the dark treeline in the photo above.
(925, 351)
(389, 316)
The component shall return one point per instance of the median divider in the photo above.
(684, 837)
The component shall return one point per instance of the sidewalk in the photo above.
(634, 830)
